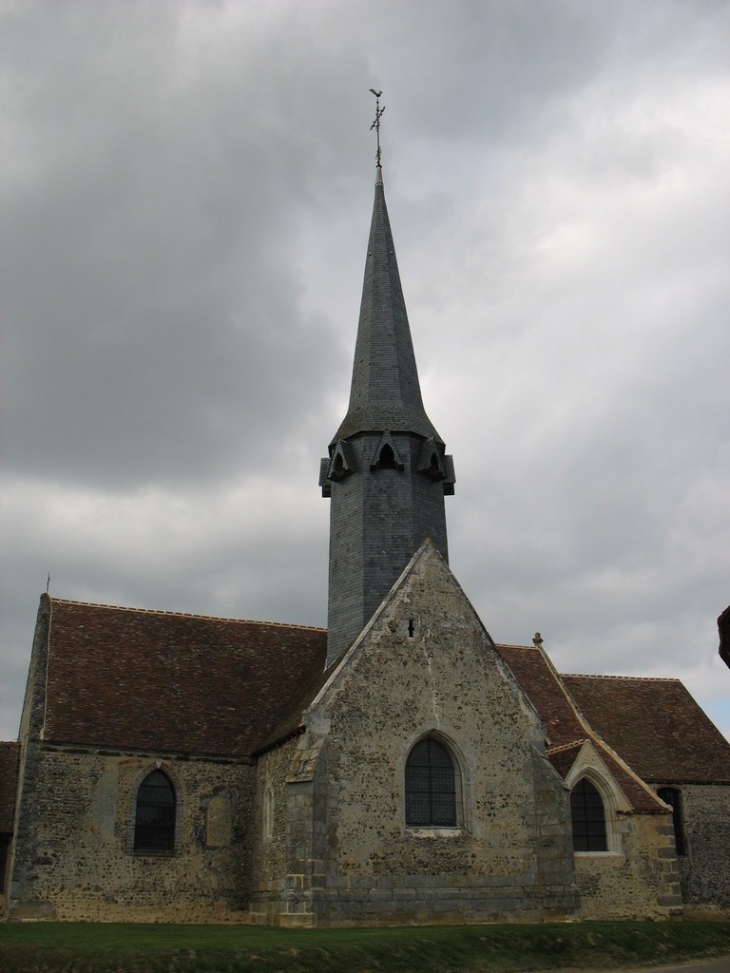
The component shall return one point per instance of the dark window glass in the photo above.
(430, 786)
(154, 825)
(672, 797)
(589, 818)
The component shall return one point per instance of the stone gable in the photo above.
(425, 665)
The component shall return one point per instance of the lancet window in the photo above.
(430, 786)
(154, 824)
(589, 817)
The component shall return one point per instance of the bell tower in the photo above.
(387, 471)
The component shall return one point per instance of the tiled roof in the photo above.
(637, 793)
(291, 718)
(9, 753)
(135, 679)
(168, 682)
(566, 728)
(540, 683)
(655, 725)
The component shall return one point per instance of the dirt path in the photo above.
(693, 966)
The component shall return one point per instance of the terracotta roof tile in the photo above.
(129, 678)
(291, 719)
(656, 727)
(566, 725)
(540, 683)
(9, 755)
(641, 798)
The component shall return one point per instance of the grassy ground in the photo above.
(91, 948)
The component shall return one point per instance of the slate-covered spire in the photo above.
(387, 470)
(385, 392)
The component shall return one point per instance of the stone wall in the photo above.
(426, 666)
(705, 869)
(73, 855)
(271, 842)
(638, 880)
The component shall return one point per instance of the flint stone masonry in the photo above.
(271, 853)
(9, 763)
(74, 846)
(358, 862)
(286, 746)
(219, 821)
(705, 870)
(330, 773)
(639, 880)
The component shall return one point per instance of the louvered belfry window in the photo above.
(430, 786)
(589, 817)
(154, 825)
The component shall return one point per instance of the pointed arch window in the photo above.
(386, 455)
(386, 460)
(431, 783)
(430, 461)
(589, 817)
(154, 822)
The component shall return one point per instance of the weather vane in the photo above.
(376, 124)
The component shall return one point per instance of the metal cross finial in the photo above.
(376, 124)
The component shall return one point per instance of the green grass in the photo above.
(92, 948)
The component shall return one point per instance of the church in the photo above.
(399, 767)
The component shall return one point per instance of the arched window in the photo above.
(154, 822)
(386, 455)
(386, 460)
(430, 786)
(672, 797)
(589, 817)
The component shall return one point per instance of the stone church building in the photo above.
(398, 767)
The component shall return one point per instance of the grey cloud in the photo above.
(188, 196)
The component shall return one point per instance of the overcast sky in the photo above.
(187, 192)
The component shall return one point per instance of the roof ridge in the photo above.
(598, 675)
(566, 746)
(599, 742)
(175, 614)
(515, 645)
